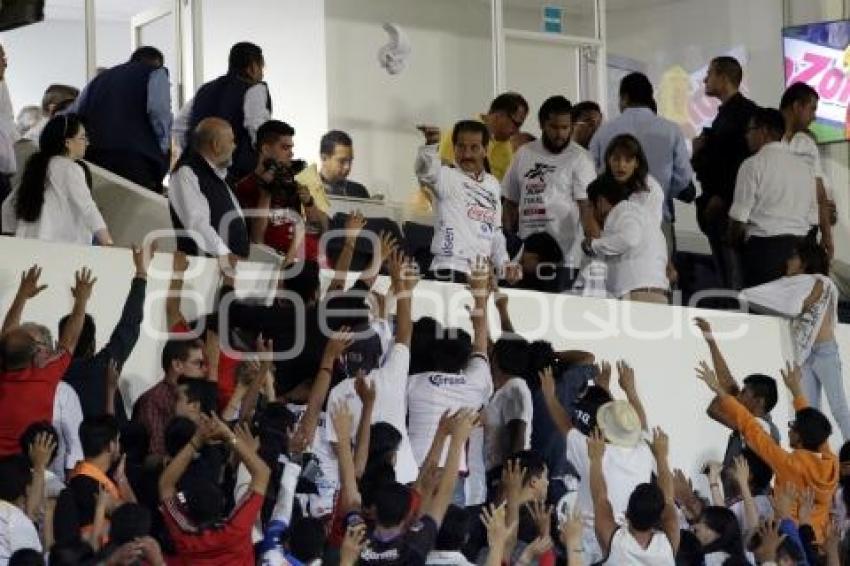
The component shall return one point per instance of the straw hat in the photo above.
(620, 424)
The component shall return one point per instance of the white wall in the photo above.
(292, 36)
(448, 77)
(54, 51)
(658, 341)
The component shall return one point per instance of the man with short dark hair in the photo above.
(587, 117)
(545, 189)
(799, 106)
(717, 154)
(17, 531)
(775, 201)
(467, 202)
(336, 151)
(200, 199)
(127, 110)
(503, 121)
(76, 506)
(662, 142)
(276, 203)
(809, 464)
(153, 410)
(239, 97)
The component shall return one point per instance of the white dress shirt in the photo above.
(634, 250)
(193, 209)
(255, 108)
(67, 417)
(69, 214)
(805, 148)
(775, 193)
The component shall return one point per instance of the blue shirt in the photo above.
(663, 144)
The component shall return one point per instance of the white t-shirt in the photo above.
(775, 193)
(626, 550)
(623, 468)
(805, 148)
(390, 407)
(652, 201)
(634, 250)
(511, 402)
(327, 483)
(16, 532)
(469, 214)
(430, 394)
(68, 215)
(67, 417)
(546, 187)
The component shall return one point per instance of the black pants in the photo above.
(133, 166)
(764, 259)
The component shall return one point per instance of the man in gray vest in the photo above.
(127, 110)
(201, 201)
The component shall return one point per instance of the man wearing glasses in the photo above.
(504, 120)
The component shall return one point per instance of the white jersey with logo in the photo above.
(546, 187)
(468, 214)
(327, 483)
(430, 394)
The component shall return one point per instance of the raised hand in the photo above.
(498, 532)
(179, 262)
(660, 444)
(541, 514)
(770, 539)
(142, 258)
(535, 549)
(595, 445)
(783, 500)
(297, 441)
(479, 277)
(29, 287)
(682, 487)
(365, 390)
(339, 342)
(431, 133)
(464, 421)
(707, 375)
(354, 224)
(792, 377)
(352, 544)
(41, 450)
(572, 529)
(389, 244)
(741, 471)
(603, 375)
(83, 285)
(242, 433)
(513, 476)
(547, 382)
(626, 377)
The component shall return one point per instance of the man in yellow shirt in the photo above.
(503, 120)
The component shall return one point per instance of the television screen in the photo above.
(819, 55)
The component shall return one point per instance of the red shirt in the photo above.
(229, 545)
(26, 397)
(280, 229)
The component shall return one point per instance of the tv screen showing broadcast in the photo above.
(819, 55)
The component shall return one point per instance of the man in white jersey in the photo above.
(799, 105)
(467, 204)
(461, 380)
(545, 189)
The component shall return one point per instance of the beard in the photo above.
(552, 146)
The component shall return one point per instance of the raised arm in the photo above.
(349, 496)
(404, 279)
(84, 282)
(261, 370)
(462, 427)
(559, 415)
(177, 466)
(336, 345)
(27, 289)
(479, 284)
(427, 164)
(429, 466)
(741, 470)
(501, 300)
(126, 332)
(353, 225)
(367, 393)
(721, 369)
(245, 446)
(173, 315)
(669, 517)
(627, 384)
(603, 514)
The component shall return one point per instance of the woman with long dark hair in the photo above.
(719, 534)
(626, 162)
(53, 202)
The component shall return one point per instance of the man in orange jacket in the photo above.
(809, 464)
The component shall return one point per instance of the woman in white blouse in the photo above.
(54, 202)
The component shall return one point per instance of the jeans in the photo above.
(823, 369)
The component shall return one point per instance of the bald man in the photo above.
(200, 199)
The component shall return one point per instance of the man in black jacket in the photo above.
(94, 375)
